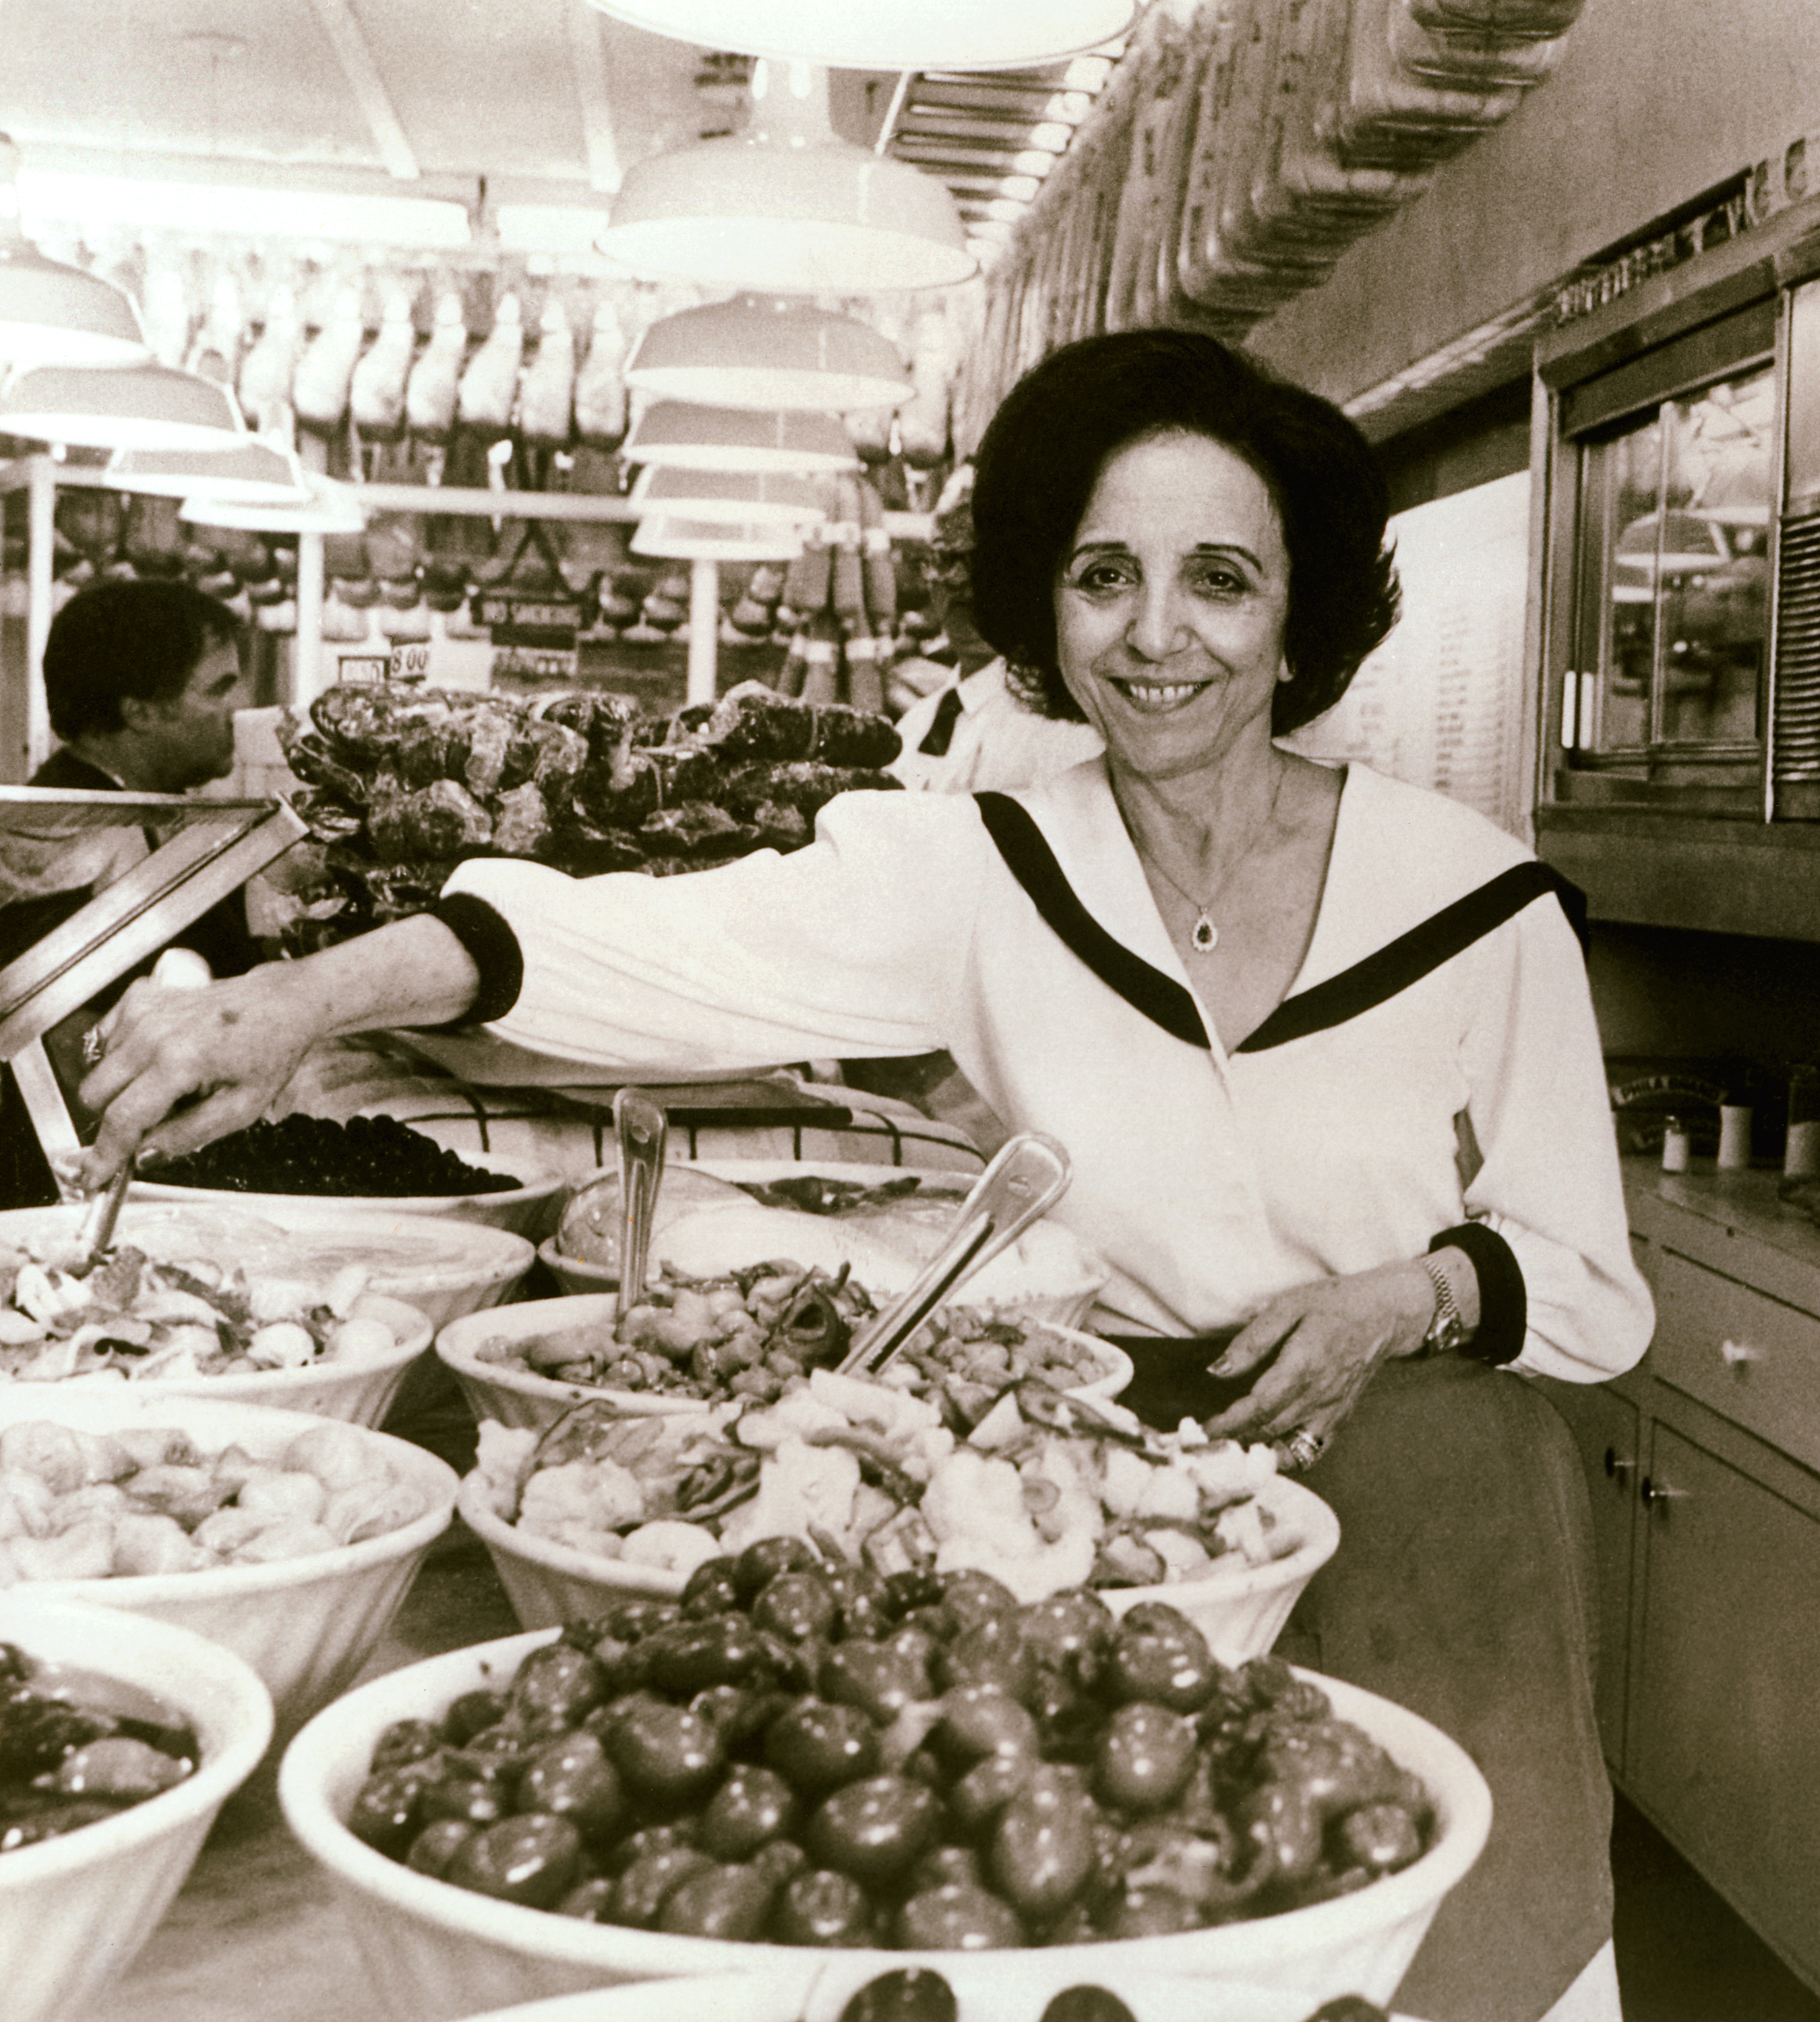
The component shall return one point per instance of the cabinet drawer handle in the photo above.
(1652, 1492)
(1734, 1354)
(1614, 1466)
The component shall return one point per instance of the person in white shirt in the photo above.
(1321, 1047)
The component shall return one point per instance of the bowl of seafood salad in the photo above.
(1049, 1492)
(294, 1253)
(288, 1538)
(745, 1336)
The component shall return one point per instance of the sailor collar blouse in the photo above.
(1209, 1180)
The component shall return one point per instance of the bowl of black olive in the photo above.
(905, 1771)
(985, 1989)
(121, 1738)
(369, 1161)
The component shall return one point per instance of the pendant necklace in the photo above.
(1203, 936)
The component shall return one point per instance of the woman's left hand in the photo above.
(1321, 1340)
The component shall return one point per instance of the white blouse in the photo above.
(1212, 1180)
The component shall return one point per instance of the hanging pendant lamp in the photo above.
(722, 497)
(51, 313)
(251, 473)
(670, 539)
(787, 206)
(677, 435)
(329, 507)
(132, 406)
(755, 352)
(888, 35)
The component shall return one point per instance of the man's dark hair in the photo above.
(1040, 459)
(116, 640)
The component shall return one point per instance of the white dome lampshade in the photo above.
(670, 539)
(758, 352)
(679, 435)
(51, 314)
(133, 406)
(787, 206)
(251, 473)
(329, 507)
(887, 34)
(752, 497)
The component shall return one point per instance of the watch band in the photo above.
(1446, 1334)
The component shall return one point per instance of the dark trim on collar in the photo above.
(1165, 1002)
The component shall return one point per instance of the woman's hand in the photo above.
(1326, 1339)
(233, 1044)
(226, 1051)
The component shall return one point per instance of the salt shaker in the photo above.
(1677, 1145)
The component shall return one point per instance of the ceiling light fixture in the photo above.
(132, 406)
(787, 206)
(679, 435)
(51, 313)
(330, 508)
(754, 497)
(669, 539)
(888, 35)
(246, 473)
(754, 352)
(424, 224)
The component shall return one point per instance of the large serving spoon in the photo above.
(644, 1130)
(1029, 1175)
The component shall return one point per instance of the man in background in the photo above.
(969, 732)
(140, 680)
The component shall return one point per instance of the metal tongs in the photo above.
(1028, 1177)
(644, 1130)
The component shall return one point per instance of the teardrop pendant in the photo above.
(1205, 935)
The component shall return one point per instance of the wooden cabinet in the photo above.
(1703, 1468)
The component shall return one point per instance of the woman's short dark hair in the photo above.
(137, 640)
(1038, 462)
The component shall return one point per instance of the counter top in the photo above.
(1732, 1222)
(256, 1930)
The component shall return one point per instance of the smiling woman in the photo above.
(1265, 1110)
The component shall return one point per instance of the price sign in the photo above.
(367, 667)
(537, 663)
(516, 618)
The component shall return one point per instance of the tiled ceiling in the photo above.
(537, 100)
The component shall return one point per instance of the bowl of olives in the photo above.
(780, 1769)
(86, 1696)
(372, 1162)
(988, 1988)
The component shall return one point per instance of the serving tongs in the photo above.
(644, 1130)
(1029, 1175)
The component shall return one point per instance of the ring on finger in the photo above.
(1303, 1448)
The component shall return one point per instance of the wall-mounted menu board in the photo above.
(1442, 702)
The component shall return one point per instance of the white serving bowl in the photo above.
(1240, 1608)
(528, 1209)
(74, 1910)
(358, 1391)
(433, 1952)
(443, 1267)
(307, 1625)
(1047, 1274)
(988, 1986)
(521, 1397)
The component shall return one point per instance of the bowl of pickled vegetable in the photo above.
(290, 1539)
(120, 1739)
(743, 1337)
(780, 1769)
(372, 1162)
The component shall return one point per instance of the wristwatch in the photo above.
(1446, 1334)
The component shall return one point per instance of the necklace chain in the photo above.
(1203, 936)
